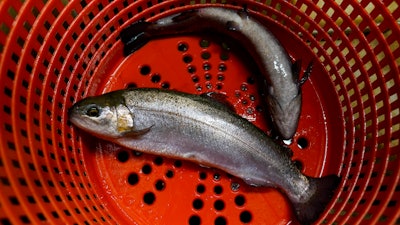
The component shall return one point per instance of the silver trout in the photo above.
(283, 87)
(199, 129)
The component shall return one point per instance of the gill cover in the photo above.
(106, 115)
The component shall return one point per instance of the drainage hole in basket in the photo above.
(191, 69)
(298, 164)
(245, 216)
(198, 87)
(220, 220)
(187, 58)
(165, 85)
(251, 80)
(194, 220)
(202, 175)
(216, 177)
(200, 188)
(123, 156)
(240, 200)
(183, 47)
(178, 163)
(5, 221)
(169, 174)
(133, 178)
(158, 161)
(156, 78)
(149, 198)
(195, 79)
(218, 189)
(144, 69)
(207, 66)
(205, 55)
(224, 56)
(204, 43)
(131, 85)
(219, 205)
(160, 185)
(146, 169)
(302, 142)
(222, 67)
(198, 204)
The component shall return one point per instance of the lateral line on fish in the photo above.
(208, 124)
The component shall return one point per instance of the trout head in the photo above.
(285, 114)
(105, 116)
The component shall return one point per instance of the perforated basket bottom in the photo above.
(155, 190)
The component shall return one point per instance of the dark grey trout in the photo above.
(283, 88)
(199, 129)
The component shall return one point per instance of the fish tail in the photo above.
(308, 211)
(135, 36)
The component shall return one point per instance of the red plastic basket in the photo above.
(54, 53)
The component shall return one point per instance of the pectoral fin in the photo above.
(136, 133)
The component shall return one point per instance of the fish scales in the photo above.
(282, 85)
(194, 128)
(186, 121)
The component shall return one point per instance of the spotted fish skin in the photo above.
(198, 129)
(282, 85)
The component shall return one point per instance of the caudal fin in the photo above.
(135, 36)
(309, 211)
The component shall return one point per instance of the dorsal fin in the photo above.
(185, 15)
(296, 67)
(244, 12)
(306, 74)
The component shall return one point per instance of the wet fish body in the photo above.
(194, 128)
(283, 87)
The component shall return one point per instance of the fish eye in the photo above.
(93, 111)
